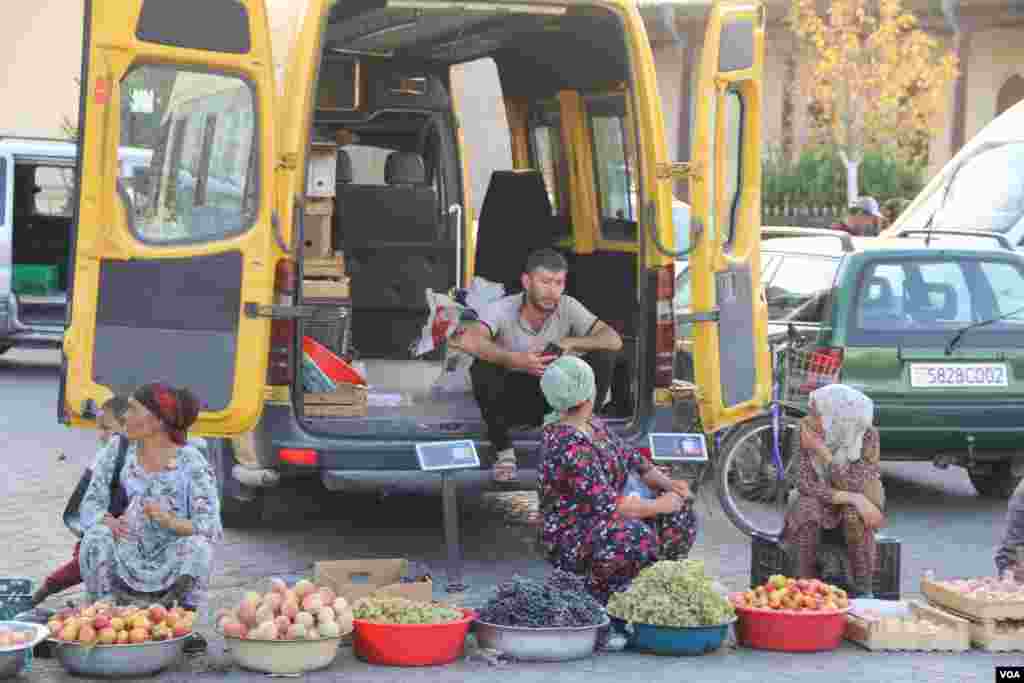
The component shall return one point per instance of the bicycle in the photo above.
(756, 467)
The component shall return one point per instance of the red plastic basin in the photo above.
(411, 644)
(789, 630)
(334, 367)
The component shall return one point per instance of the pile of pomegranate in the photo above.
(304, 611)
(104, 624)
(11, 638)
(988, 588)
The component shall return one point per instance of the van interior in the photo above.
(42, 214)
(385, 97)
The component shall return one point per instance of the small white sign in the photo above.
(679, 447)
(142, 101)
(926, 375)
(447, 455)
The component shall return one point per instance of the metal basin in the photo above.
(283, 656)
(555, 644)
(119, 660)
(13, 659)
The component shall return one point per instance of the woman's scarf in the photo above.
(566, 383)
(177, 409)
(846, 415)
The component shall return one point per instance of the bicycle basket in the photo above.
(804, 371)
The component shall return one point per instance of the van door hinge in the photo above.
(678, 170)
(278, 312)
(289, 161)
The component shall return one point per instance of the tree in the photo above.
(874, 78)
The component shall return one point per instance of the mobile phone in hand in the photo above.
(553, 349)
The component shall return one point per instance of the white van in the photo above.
(37, 181)
(981, 188)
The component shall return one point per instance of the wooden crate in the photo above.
(332, 290)
(345, 394)
(340, 410)
(333, 267)
(877, 636)
(972, 608)
(993, 635)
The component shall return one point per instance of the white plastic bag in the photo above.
(442, 322)
(455, 377)
(482, 292)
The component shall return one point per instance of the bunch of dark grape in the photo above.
(559, 601)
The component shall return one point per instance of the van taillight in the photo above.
(280, 363)
(665, 327)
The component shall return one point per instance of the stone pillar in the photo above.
(962, 50)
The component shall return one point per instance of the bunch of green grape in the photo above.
(395, 610)
(672, 593)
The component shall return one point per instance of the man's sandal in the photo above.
(506, 469)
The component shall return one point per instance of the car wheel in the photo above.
(998, 482)
(239, 508)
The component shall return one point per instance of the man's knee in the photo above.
(601, 359)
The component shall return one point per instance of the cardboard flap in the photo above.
(364, 572)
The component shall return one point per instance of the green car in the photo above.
(931, 327)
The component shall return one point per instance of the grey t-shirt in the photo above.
(512, 333)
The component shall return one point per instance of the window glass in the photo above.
(3, 191)
(54, 191)
(733, 162)
(1007, 287)
(546, 149)
(198, 130)
(368, 164)
(614, 153)
(797, 279)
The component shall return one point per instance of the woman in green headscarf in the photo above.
(590, 526)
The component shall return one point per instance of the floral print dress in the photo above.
(151, 558)
(581, 480)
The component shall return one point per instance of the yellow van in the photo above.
(201, 271)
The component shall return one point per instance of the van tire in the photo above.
(998, 483)
(235, 512)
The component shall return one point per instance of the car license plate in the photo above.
(925, 375)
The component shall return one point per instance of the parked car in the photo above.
(37, 179)
(981, 188)
(795, 266)
(931, 327)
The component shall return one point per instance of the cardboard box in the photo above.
(325, 289)
(323, 167)
(318, 242)
(354, 579)
(333, 267)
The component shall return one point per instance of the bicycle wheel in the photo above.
(752, 495)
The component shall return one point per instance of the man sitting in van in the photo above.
(517, 337)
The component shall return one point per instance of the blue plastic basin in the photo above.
(664, 640)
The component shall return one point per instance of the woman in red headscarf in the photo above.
(161, 548)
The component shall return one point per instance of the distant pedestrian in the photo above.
(864, 218)
(893, 208)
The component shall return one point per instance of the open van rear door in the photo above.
(732, 364)
(174, 263)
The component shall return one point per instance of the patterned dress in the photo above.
(814, 511)
(152, 558)
(581, 480)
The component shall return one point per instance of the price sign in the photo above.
(447, 455)
(687, 448)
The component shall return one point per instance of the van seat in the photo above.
(515, 219)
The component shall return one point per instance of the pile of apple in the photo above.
(12, 638)
(803, 595)
(304, 611)
(988, 588)
(104, 624)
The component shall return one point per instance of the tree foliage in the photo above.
(874, 78)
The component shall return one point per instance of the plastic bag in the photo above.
(442, 322)
(455, 378)
(482, 292)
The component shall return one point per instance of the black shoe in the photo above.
(195, 644)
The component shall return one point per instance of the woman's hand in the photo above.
(156, 513)
(669, 503)
(681, 488)
(868, 511)
(117, 525)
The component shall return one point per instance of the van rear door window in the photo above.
(54, 191)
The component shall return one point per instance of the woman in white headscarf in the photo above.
(592, 527)
(838, 482)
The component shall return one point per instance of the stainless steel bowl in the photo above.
(12, 660)
(119, 660)
(556, 644)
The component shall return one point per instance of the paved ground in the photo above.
(942, 524)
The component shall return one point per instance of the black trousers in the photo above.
(510, 398)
